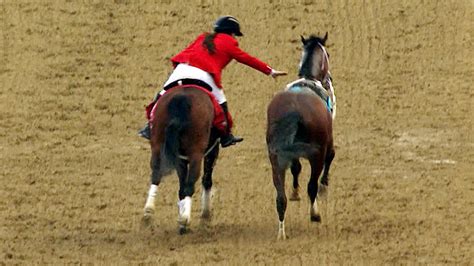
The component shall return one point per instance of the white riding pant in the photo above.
(185, 71)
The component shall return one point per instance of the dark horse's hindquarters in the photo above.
(302, 130)
(300, 126)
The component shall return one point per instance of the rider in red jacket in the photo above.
(204, 59)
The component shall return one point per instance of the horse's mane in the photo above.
(313, 40)
(309, 45)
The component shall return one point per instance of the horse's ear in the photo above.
(303, 40)
(325, 37)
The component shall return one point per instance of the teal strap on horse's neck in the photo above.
(311, 87)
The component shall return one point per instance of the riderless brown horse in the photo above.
(182, 136)
(300, 126)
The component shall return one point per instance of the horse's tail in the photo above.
(178, 112)
(284, 143)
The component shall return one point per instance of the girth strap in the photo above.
(182, 157)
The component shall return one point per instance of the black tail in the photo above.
(284, 142)
(178, 112)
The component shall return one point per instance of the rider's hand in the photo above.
(276, 73)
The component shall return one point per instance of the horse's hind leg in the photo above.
(295, 171)
(187, 179)
(209, 163)
(281, 201)
(156, 175)
(317, 164)
(324, 182)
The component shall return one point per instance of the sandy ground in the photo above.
(75, 76)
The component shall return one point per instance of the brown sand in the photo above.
(75, 76)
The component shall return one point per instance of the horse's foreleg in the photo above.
(281, 201)
(209, 162)
(316, 169)
(186, 192)
(324, 182)
(295, 171)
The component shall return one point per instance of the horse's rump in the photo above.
(283, 141)
(298, 125)
(181, 124)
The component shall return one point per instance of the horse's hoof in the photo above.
(147, 221)
(295, 194)
(182, 230)
(148, 216)
(183, 225)
(295, 197)
(316, 218)
(206, 215)
(282, 236)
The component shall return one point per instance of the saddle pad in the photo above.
(311, 87)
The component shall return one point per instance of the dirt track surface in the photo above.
(75, 76)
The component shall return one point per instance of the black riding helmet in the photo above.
(227, 24)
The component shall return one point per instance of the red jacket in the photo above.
(227, 48)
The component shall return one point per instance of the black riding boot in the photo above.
(228, 139)
(145, 132)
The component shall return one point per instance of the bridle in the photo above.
(325, 55)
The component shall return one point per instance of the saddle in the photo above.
(220, 122)
(187, 81)
(313, 87)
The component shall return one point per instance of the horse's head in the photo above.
(314, 63)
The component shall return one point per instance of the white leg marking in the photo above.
(314, 208)
(184, 211)
(150, 201)
(206, 202)
(281, 230)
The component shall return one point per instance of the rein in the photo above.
(325, 55)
